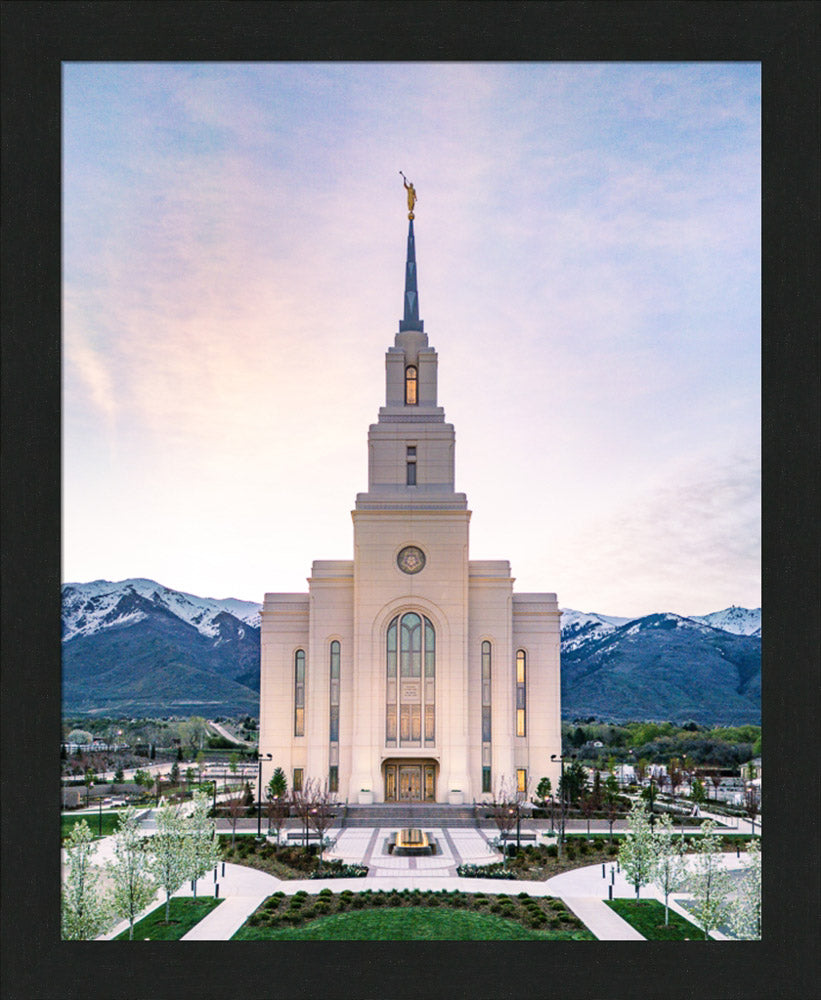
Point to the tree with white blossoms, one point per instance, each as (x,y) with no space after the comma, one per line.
(133,884)
(204,850)
(637,852)
(670,867)
(745,913)
(709,882)
(170,849)
(85,912)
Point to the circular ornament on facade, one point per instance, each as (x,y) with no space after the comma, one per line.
(411,559)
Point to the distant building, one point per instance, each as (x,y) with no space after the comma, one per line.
(411,672)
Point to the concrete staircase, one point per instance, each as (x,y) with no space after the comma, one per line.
(410,814)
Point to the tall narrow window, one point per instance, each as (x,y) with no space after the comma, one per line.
(333,778)
(486,784)
(299,693)
(410,466)
(410,702)
(334,672)
(296,784)
(521,693)
(486,657)
(411,385)
(521,779)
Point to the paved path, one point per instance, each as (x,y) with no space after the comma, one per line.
(583,890)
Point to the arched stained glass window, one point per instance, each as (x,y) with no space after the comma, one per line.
(410,714)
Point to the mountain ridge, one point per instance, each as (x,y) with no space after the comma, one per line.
(138,645)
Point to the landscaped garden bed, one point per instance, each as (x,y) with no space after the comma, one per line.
(647,917)
(185,913)
(411,915)
(538,863)
(287,861)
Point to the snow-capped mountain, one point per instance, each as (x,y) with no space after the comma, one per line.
(136,646)
(579,627)
(91,607)
(740,621)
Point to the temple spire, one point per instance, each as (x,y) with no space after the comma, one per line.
(411,320)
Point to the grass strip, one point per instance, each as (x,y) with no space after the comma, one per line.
(110,823)
(406,924)
(647,917)
(185,913)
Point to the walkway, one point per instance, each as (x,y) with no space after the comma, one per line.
(583,890)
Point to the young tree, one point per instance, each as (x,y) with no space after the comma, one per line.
(587,804)
(278,785)
(637,852)
(320,811)
(611,801)
(133,887)
(203,849)
(169,847)
(670,869)
(277,809)
(543,790)
(709,882)
(89,778)
(504,809)
(573,783)
(697,793)
(85,912)
(175,772)
(236,808)
(751,804)
(745,912)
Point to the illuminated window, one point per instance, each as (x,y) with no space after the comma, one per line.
(297,782)
(411,384)
(334,672)
(521,780)
(299,693)
(410,714)
(333,778)
(521,693)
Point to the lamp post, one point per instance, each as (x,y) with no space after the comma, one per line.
(268,756)
(560,757)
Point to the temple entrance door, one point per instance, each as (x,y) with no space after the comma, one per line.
(410,783)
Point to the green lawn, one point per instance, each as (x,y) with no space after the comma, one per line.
(407,924)
(185,914)
(647,916)
(69,820)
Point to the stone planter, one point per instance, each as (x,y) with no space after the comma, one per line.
(455,798)
(365,797)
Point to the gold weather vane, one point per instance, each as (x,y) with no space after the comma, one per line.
(411,195)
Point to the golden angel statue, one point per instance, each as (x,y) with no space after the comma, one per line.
(411,195)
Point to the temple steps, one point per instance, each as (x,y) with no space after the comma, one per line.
(409,814)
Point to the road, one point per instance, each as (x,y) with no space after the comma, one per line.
(228,736)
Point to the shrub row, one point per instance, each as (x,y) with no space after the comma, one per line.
(280,910)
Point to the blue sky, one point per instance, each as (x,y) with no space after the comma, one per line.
(588,247)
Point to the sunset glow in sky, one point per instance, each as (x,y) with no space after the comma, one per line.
(588,248)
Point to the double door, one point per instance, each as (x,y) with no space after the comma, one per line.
(410,783)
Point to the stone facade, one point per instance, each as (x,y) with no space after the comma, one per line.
(395,676)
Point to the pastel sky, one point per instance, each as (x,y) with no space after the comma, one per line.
(588,248)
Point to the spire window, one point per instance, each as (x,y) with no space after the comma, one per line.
(411,386)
